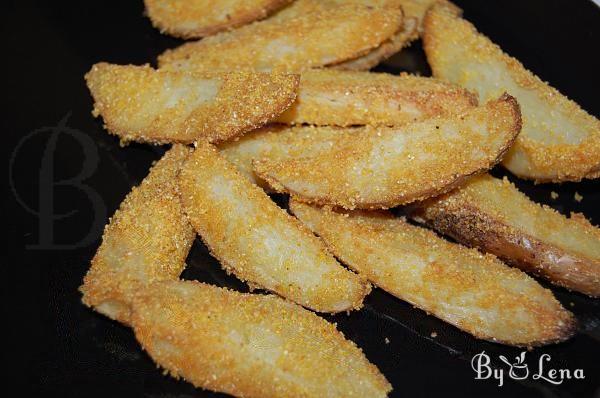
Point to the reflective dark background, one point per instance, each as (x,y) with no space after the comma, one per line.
(66,176)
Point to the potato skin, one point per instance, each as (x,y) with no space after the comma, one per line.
(461,217)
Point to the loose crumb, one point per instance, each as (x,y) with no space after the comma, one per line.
(433,334)
(572,304)
(578,197)
(387,341)
(553,195)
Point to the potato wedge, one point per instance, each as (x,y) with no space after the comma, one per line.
(390,167)
(190,19)
(146,240)
(139,103)
(250,345)
(258,241)
(396,43)
(559,142)
(493,215)
(314,39)
(475,292)
(329,97)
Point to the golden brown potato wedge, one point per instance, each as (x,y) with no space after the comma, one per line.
(299,42)
(559,141)
(418,9)
(258,241)
(198,18)
(395,44)
(475,292)
(394,166)
(329,97)
(139,103)
(146,240)
(250,345)
(494,216)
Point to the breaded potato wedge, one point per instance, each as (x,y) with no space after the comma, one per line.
(329,97)
(190,19)
(142,104)
(494,216)
(318,38)
(559,142)
(475,292)
(395,44)
(389,167)
(258,241)
(414,13)
(146,240)
(280,142)
(250,345)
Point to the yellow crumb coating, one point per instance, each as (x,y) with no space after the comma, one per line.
(146,240)
(559,142)
(250,345)
(386,167)
(293,43)
(139,103)
(198,18)
(395,44)
(493,215)
(258,241)
(473,291)
(343,98)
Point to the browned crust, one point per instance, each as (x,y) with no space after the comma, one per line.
(467,224)
(172,28)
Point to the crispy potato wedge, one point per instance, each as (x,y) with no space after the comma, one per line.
(314,39)
(559,141)
(395,44)
(139,103)
(146,240)
(190,19)
(475,292)
(329,97)
(250,345)
(494,216)
(389,167)
(258,241)
(414,14)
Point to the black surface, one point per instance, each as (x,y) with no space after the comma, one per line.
(56,346)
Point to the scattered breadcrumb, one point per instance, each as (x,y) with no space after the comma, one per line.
(433,334)
(578,197)
(553,195)
(387,341)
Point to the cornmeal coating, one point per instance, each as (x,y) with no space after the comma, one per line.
(190,19)
(341,98)
(387,167)
(250,345)
(559,142)
(475,292)
(139,103)
(297,42)
(258,241)
(146,240)
(395,44)
(493,215)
